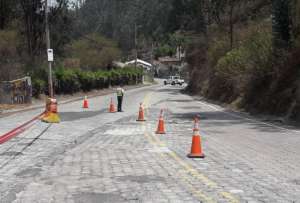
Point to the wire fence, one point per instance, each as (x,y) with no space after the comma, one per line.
(16,92)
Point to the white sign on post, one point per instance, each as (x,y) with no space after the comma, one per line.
(50,55)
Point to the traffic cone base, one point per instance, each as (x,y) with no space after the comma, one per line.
(51,118)
(141,120)
(201,156)
(196,149)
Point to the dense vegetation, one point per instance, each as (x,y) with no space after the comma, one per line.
(69,81)
(246,53)
(241,52)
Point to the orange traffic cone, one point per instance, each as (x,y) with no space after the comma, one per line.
(141,113)
(196,149)
(85,103)
(112,108)
(161,124)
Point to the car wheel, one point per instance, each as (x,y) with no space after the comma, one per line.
(173,83)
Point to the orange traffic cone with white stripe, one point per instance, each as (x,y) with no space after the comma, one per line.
(85,103)
(161,124)
(196,149)
(112,108)
(141,113)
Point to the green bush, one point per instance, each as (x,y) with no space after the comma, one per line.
(68,81)
(241,67)
(217,50)
(73,80)
(39,86)
(233,64)
(164,50)
(101,79)
(86,79)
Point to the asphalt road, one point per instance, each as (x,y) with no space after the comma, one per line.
(96,156)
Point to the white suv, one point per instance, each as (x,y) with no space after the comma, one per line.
(174,80)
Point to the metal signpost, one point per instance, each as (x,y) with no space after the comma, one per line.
(49,51)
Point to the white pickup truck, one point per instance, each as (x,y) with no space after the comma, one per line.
(174,80)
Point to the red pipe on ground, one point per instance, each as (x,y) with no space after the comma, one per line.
(7,136)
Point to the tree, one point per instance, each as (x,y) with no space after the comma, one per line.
(115,19)
(94,51)
(6,12)
(281,23)
(224,12)
(33,15)
(62,21)
(9,57)
(295,18)
(187,15)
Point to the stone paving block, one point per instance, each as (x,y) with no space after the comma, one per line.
(102,156)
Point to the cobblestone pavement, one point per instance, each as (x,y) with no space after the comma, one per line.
(95,156)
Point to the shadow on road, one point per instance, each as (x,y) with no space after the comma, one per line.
(191,107)
(72,116)
(180,100)
(221,119)
(170,91)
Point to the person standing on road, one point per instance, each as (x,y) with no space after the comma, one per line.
(120,95)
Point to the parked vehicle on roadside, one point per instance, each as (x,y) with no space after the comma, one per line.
(174,80)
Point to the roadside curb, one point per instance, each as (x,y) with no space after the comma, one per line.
(67,101)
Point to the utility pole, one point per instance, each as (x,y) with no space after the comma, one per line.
(152,52)
(135,44)
(50,81)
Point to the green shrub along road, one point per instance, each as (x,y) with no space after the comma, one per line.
(69,81)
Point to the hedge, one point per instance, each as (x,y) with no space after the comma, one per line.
(69,81)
